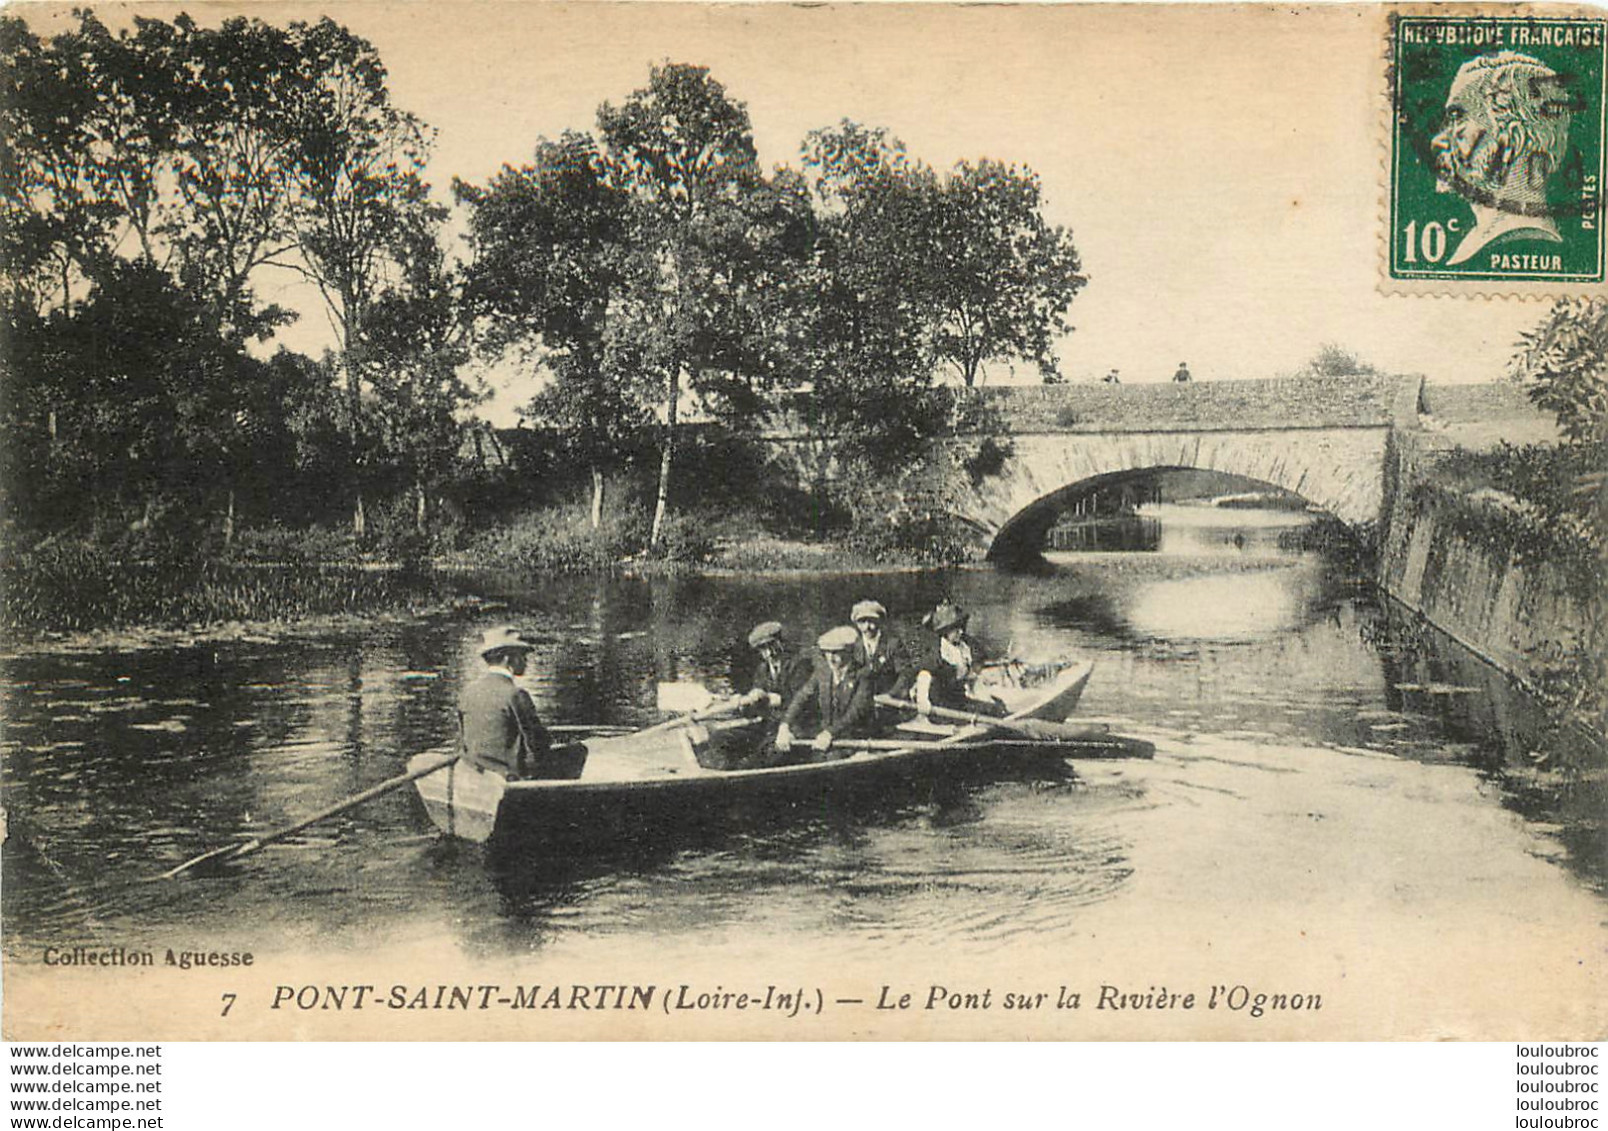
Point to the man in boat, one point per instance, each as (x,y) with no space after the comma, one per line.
(835,703)
(943,675)
(778,675)
(878,653)
(501,730)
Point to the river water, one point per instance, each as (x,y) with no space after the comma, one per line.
(1335,787)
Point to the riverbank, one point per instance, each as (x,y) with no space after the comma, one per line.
(74,594)
(1516,582)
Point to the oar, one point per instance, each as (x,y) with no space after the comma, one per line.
(585,728)
(720,710)
(672,696)
(1097,744)
(1031,728)
(246,848)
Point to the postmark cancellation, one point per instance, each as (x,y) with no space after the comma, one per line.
(1496,152)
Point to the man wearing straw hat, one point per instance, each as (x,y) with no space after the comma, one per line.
(501,731)
(835,703)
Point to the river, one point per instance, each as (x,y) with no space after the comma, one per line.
(1336,789)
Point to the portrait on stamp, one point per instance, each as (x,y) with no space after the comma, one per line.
(1497,149)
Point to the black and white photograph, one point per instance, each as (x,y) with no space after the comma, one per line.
(769,522)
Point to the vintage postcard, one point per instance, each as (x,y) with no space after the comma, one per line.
(628,521)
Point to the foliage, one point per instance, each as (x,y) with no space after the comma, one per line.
(549,241)
(75,586)
(1003,277)
(148,179)
(709,253)
(562,539)
(1334,360)
(152,180)
(1523,504)
(1566,361)
(920,272)
(1514,504)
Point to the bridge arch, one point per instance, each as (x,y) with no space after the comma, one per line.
(1340,471)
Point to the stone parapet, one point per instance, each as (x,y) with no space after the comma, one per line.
(1360,401)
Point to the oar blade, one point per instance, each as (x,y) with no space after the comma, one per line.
(683,697)
(215,857)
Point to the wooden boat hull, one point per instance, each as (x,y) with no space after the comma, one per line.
(630,784)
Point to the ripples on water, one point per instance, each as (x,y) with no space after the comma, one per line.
(118,765)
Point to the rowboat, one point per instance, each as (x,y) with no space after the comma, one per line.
(620,785)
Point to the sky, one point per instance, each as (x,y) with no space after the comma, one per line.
(1221,168)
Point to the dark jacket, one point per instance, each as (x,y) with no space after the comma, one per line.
(885,668)
(845,710)
(501,730)
(785,680)
(948,689)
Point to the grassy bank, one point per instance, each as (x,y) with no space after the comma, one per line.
(277,575)
(79,588)
(563,540)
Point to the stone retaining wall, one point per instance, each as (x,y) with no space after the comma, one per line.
(1515,616)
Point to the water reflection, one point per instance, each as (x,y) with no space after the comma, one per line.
(1245,606)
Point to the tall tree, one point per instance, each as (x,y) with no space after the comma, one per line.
(415,347)
(83,129)
(710,238)
(871,346)
(233,161)
(551,240)
(1002,276)
(358,165)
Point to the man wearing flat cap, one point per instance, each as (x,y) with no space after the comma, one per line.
(878,653)
(501,731)
(778,675)
(835,703)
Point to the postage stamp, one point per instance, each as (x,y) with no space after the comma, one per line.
(1496,165)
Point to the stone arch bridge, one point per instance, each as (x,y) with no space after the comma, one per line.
(1323,438)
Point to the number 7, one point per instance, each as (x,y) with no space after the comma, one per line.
(228,1003)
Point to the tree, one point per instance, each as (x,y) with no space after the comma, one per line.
(414,347)
(871,345)
(1001,275)
(233,162)
(358,161)
(1565,362)
(149,391)
(1333,360)
(1565,359)
(710,246)
(551,241)
(82,130)
(146,179)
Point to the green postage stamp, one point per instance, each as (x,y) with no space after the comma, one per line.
(1496,167)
